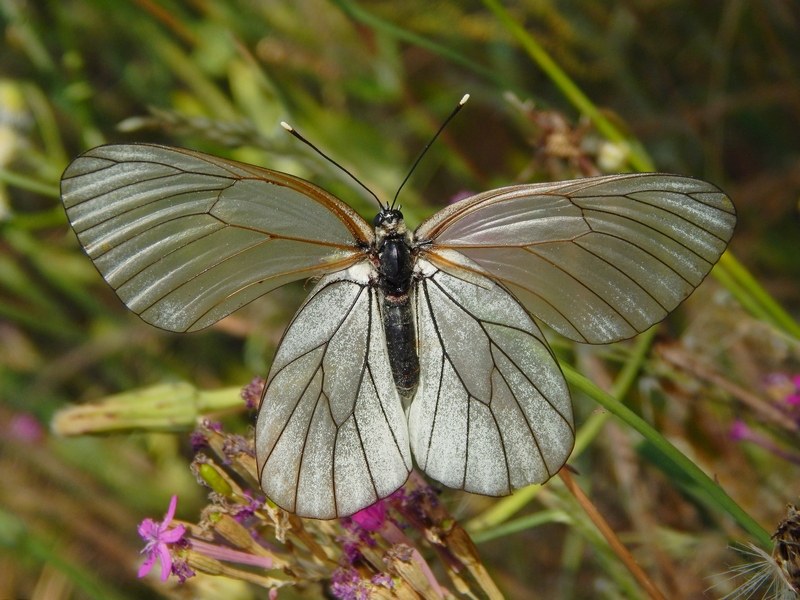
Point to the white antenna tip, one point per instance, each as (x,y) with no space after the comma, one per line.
(464,100)
(286,126)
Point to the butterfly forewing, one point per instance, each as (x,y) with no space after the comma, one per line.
(492,412)
(331,436)
(185,238)
(598,259)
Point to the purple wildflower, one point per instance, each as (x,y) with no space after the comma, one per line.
(739,431)
(383,580)
(346,584)
(794,398)
(371,518)
(182,570)
(25,427)
(158,536)
(251,393)
(784,389)
(214,426)
(235,444)
(198,440)
(351,550)
(242,512)
(359,529)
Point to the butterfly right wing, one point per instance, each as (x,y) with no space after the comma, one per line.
(186,238)
(331,436)
(598,259)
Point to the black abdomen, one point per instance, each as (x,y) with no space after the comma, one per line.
(396,271)
(401,339)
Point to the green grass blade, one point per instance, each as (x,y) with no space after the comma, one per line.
(703,487)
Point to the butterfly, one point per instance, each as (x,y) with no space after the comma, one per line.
(415,343)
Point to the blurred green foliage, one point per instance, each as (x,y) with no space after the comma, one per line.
(701,88)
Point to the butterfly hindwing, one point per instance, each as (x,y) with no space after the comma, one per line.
(492,412)
(331,436)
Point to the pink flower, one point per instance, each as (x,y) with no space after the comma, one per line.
(371,518)
(794,398)
(784,388)
(158,536)
(251,393)
(26,428)
(346,584)
(740,431)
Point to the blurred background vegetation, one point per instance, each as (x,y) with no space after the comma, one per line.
(710,89)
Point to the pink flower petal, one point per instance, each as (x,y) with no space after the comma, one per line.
(739,430)
(166,561)
(173,503)
(147,565)
(173,535)
(157,537)
(147,529)
(372,517)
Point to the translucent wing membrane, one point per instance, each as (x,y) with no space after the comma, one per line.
(331,436)
(598,259)
(492,411)
(185,238)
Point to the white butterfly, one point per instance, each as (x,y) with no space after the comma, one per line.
(410,343)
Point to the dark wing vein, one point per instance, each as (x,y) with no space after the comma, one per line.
(482,323)
(489,389)
(332,437)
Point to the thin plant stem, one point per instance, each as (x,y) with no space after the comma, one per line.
(608,533)
(638,158)
(729,270)
(358,14)
(29,184)
(505,508)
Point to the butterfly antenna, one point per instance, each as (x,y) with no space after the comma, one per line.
(458,107)
(294,132)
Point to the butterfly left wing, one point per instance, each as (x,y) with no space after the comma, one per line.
(331,436)
(492,411)
(186,238)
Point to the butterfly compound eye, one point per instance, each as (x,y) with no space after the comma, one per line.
(387,216)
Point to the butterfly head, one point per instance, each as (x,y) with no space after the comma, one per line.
(389,223)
